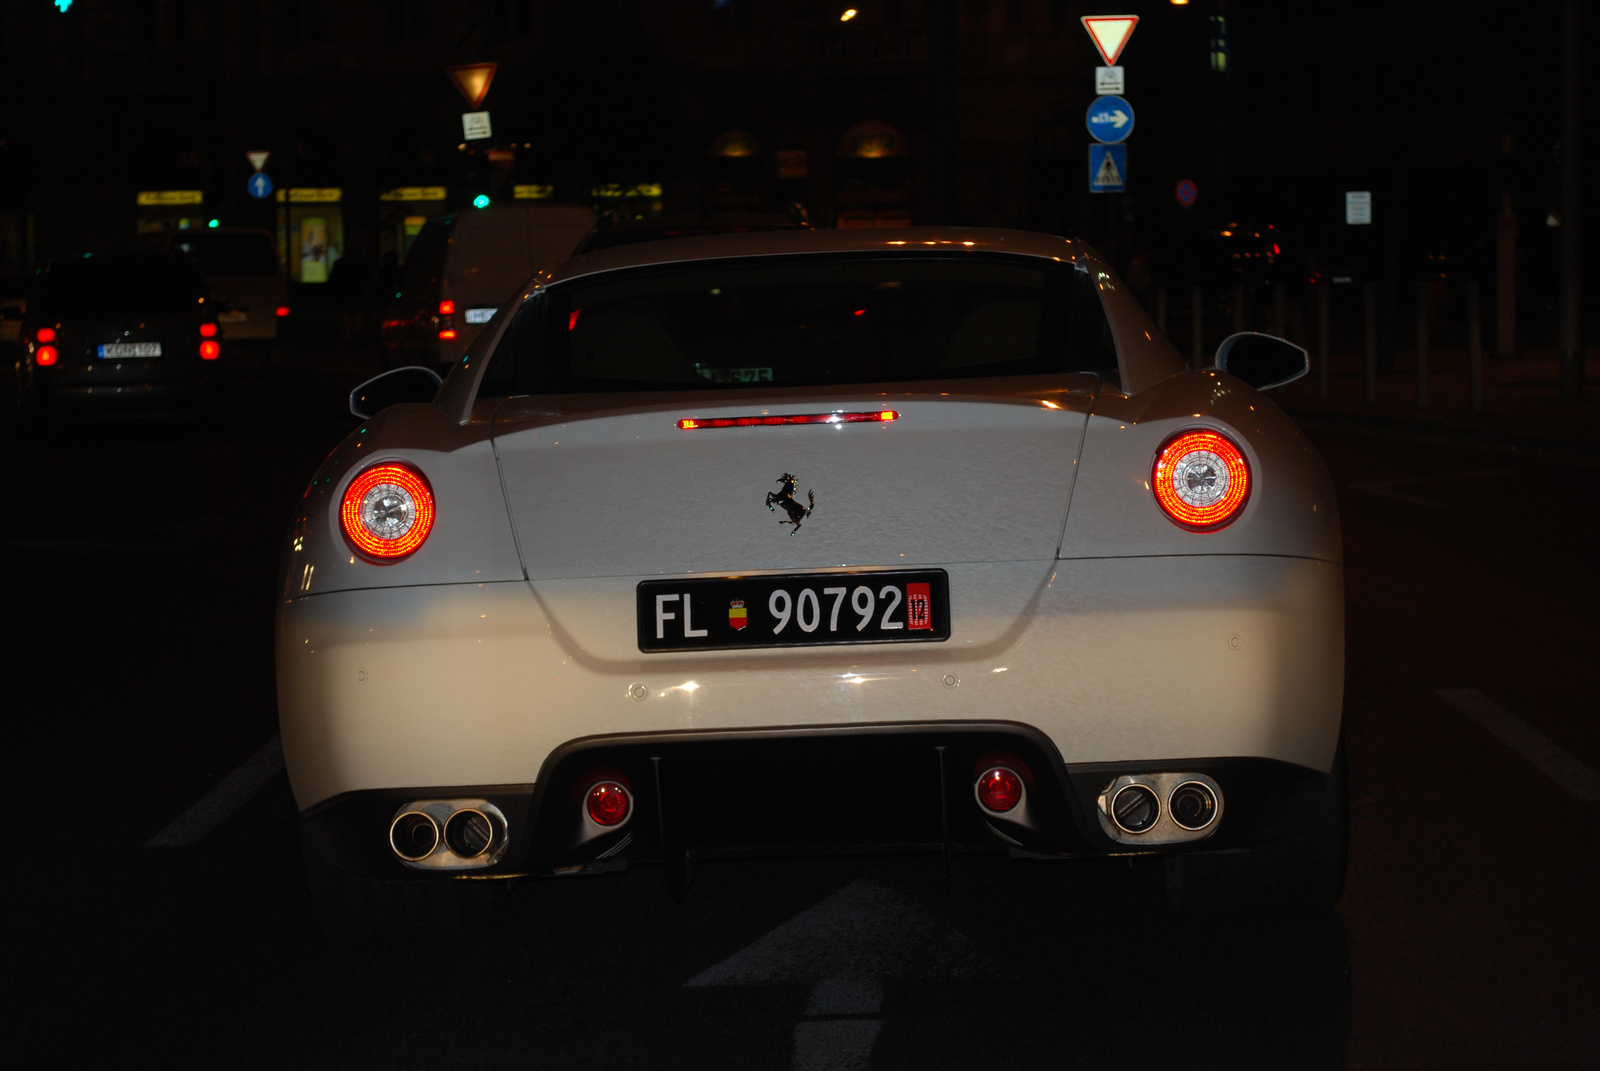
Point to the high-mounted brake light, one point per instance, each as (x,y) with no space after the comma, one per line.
(46,334)
(209,350)
(208,330)
(387,511)
(1201,480)
(695,423)
(45,355)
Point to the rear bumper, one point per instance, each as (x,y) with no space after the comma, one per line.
(905,787)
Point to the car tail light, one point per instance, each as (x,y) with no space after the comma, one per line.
(387,511)
(1201,480)
(45,355)
(447,334)
(208,330)
(283,310)
(447,308)
(608,803)
(209,350)
(999,789)
(46,334)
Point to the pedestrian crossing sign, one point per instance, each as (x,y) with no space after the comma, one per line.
(1108,168)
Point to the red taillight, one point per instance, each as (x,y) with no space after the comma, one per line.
(208,330)
(608,803)
(572,321)
(882,416)
(46,334)
(387,511)
(1201,480)
(209,350)
(447,334)
(447,308)
(283,310)
(1000,789)
(45,355)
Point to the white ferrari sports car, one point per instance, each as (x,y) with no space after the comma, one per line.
(910,540)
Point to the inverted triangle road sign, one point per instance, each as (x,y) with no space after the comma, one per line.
(1110,34)
(472,79)
(258,158)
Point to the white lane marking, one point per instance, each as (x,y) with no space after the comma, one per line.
(225,797)
(865,930)
(835,1044)
(1562,767)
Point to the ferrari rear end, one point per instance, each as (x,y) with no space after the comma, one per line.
(819,541)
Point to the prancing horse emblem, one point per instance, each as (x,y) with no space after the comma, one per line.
(785,498)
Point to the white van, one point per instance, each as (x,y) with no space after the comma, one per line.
(464,266)
(242,270)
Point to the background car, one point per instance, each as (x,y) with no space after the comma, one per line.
(463,267)
(614,229)
(117,327)
(244,274)
(922,540)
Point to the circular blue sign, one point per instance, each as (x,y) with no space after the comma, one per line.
(260,185)
(1110,120)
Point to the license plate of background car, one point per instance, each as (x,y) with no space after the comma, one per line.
(794,610)
(131,349)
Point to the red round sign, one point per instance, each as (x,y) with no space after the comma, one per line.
(1186,192)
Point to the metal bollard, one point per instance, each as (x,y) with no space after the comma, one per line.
(1238,310)
(1370,301)
(1197,328)
(1475,347)
(1324,344)
(1161,308)
(1422,345)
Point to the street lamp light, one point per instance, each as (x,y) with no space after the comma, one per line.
(849,13)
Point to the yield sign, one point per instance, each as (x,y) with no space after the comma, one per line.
(472,79)
(1110,34)
(258,158)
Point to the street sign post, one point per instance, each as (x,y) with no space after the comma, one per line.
(1109,80)
(1108,168)
(475,125)
(1110,119)
(1186,192)
(1110,34)
(259,185)
(1358,207)
(472,80)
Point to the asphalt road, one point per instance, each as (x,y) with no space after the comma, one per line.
(141,555)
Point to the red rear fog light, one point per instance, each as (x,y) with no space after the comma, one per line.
(999,790)
(608,803)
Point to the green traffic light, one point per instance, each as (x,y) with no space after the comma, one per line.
(215,223)
(481,201)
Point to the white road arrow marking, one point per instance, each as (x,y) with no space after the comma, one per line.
(846,946)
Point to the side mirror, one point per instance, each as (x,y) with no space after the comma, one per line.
(1263,361)
(412,383)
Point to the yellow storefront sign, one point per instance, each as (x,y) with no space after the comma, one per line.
(414,193)
(311,195)
(170,197)
(533,193)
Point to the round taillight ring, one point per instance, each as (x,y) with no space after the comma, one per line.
(608,804)
(1201,480)
(387,511)
(999,790)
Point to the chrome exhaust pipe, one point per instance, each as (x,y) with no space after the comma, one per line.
(1193,805)
(469,833)
(1135,808)
(414,836)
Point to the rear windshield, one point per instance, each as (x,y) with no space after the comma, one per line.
(804,322)
(117,285)
(229,254)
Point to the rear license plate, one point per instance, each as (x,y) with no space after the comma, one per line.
(233,316)
(480,316)
(797,610)
(130,349)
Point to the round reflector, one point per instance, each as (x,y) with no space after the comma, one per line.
(608,803)
(1000,790)
(1200,480)
(45,355)
(387,511)
(209,350)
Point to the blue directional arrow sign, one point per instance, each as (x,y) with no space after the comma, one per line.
(1108,168)
(1110,119)
(260,185)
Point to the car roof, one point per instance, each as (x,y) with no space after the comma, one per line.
(908,240)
